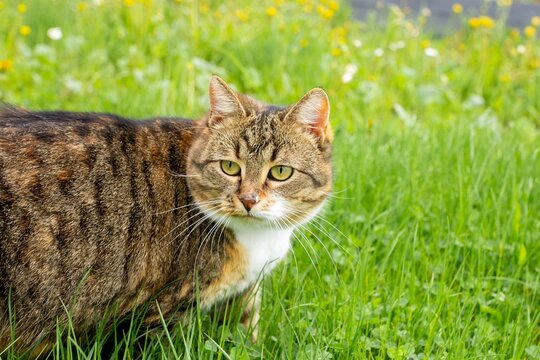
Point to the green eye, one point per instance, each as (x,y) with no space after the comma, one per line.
(280,172)
(230,167)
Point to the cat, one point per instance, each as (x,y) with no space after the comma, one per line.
(97,210)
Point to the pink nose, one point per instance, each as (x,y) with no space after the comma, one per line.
(249,200)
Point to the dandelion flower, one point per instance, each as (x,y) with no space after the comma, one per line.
(378,52)
(204,8)
(271,11)
(129,2)
(424,44)
(457,8)
(332,5)
(357,43)
(530,31)
(505,2)
(81,7)
(241,15)
(6,64)
(54,33)
(534,64)
(21,8)
(521,49)
(486,22)
(474,22)
(304,43)
(278,2)
(325,12)
(535,21)
(505,78)
(25,30)
(336,52)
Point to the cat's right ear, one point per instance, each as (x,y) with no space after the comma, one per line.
(223,101)
(313,111)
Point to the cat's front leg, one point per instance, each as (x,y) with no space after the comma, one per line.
(251,305)
(245,307)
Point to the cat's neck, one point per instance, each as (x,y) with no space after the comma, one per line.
(264,248)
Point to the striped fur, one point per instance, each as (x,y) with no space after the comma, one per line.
(98,212)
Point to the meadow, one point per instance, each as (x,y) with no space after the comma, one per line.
(430,245)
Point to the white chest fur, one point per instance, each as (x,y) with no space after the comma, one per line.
(264,249)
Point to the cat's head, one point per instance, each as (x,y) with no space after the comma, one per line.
(253,164)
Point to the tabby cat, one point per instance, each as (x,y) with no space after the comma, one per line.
(97,210)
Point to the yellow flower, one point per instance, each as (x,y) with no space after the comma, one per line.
(218,15)
(331,4)
(21,8)
(482,21)
(81,6)
(6,64)
(534,64)
(241,15)
(335,52)
(505,2)
(338,31)
(325,12)
(474,22)
(271,11)
(25,30)
(514,33)
(535,21)
(1,5)
(129,2)
(204,8)
(279,2)
(487,22)
(308,8)
(505,78)
(457,8)
(301,2)
(424,44)
(304,43)
(530,31)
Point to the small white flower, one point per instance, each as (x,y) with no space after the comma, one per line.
(426,12)
(397,45)
(54,33)
(378,52)
(444,79)
(521,49)
(357,43)
(350,71)
(431,52)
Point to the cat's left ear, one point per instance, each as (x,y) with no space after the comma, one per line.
(313,111)
(223,101)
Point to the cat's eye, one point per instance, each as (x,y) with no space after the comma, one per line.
(230,167)
(280,172)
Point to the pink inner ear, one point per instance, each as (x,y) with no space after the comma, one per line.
(313,111)
(322,118)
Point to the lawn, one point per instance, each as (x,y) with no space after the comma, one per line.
(430,244)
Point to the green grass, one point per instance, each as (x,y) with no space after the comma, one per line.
(431,243)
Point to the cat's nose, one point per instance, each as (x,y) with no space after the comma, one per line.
(249,200)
